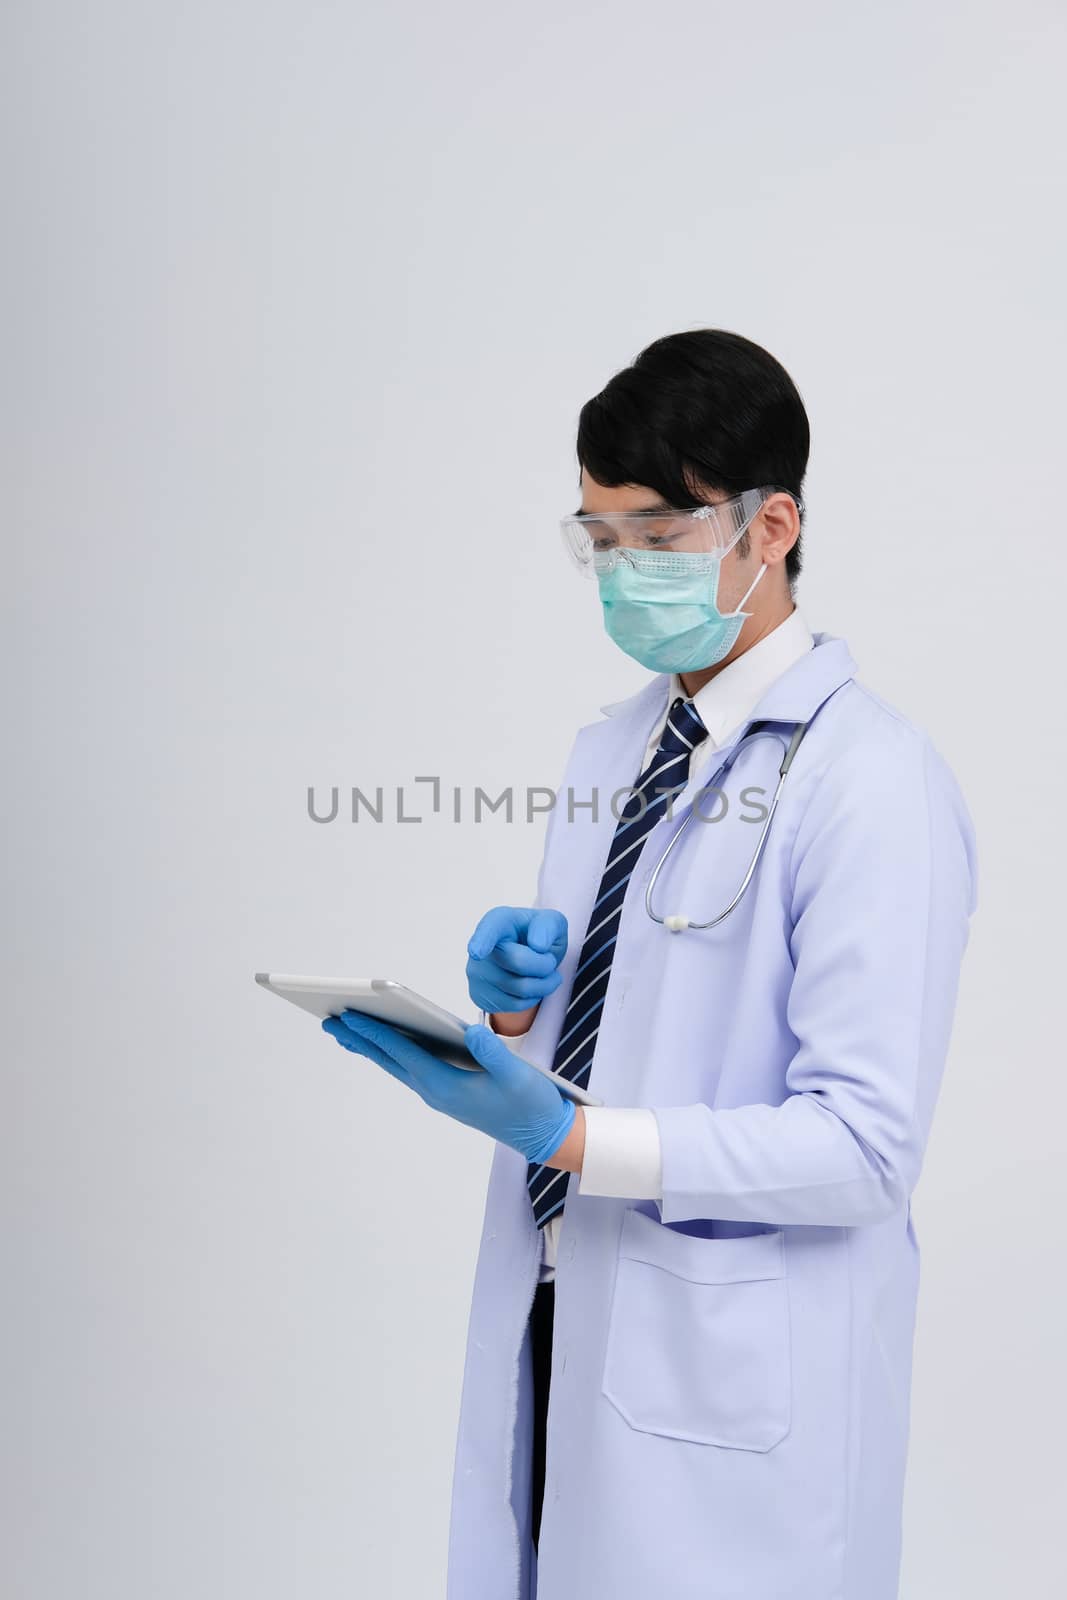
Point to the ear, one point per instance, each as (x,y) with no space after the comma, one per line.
(779,528)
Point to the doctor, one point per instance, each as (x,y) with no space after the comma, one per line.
(689,1350)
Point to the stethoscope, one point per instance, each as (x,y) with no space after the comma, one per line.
(677,923)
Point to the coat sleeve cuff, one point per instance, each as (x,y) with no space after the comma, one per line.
(622,1153)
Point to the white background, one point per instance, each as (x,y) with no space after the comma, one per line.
(301,302)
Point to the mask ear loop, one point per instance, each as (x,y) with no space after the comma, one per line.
(737,609)
(759,496)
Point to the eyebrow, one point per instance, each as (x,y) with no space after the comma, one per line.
(657,505)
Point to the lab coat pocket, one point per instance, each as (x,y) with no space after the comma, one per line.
(698,1336)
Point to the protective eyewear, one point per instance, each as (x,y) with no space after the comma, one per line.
(595,542)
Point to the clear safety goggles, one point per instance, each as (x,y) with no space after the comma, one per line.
(597,543)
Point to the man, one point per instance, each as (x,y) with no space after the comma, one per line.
(727,1235)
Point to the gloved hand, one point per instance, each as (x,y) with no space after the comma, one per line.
(510,1101)
(514,956)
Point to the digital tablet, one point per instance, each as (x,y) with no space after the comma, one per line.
(428,1024)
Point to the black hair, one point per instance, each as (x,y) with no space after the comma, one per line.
(696,411)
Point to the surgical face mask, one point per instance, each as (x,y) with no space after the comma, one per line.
(661,607)
(658,573)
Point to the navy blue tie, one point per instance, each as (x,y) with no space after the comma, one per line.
(667,771)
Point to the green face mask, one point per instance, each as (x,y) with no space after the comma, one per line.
(661,607)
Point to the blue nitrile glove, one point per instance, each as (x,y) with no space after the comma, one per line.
(515,952)
(510,1101)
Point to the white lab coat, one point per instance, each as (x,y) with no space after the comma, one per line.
(731,1364)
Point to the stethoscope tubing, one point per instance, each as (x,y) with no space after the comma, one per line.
(675,924)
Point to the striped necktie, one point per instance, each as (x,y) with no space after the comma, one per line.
(668,770)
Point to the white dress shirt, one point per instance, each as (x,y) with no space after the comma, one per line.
(622,1149)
